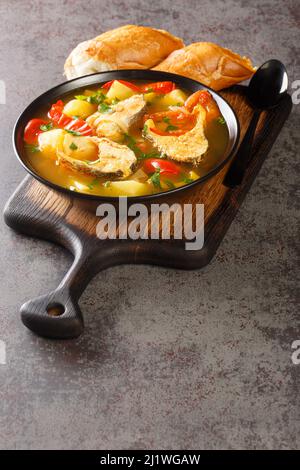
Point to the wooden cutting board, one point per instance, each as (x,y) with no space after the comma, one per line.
(36,210)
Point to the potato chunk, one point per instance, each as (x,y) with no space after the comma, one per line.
(127,188)
(174,98)
(120,91)
(80,148)
(79,108)
(50,141)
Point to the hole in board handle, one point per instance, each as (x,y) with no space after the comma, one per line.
(55,310)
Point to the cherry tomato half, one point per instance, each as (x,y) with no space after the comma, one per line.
(32,130)
(158,87)
(165,166)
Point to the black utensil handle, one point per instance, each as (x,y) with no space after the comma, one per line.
(57,314)
(236,171)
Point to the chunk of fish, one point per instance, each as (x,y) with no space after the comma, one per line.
(188,147)
(97,156)
(125,115)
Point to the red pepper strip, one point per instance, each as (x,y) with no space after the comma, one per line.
(65,122)
(33,130)
(107,85)
(202,97)
(133,87)
(80,126)
(165,166)
(158,87)
(181,119)
(56,111)
(179,114)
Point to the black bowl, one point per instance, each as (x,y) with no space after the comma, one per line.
(50,96)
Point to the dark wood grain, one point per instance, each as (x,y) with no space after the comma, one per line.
(36,210)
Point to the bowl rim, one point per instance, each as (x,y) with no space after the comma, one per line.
(106,76)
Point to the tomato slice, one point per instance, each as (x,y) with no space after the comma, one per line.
(133,87)
(165,166)
(32,130)
(158,87)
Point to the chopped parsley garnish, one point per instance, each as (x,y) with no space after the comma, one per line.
(130,140)
(145,129)
(187,180)
(104,108)
(46,127)
(221,120)
(170,184)
(131,143)
(73,146)
(32,148)
(81,97)
(171,128)
(155,179)
(166,119)
(153,154)
(96,98)
(73,132)
(93,184)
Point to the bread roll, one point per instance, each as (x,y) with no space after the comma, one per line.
(208,63)
(127,47)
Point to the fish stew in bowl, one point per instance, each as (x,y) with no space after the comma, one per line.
(124,138)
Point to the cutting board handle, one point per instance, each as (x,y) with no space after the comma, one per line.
(57,314)
(54,315)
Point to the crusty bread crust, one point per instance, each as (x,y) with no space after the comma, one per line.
(130,46)
(208,63)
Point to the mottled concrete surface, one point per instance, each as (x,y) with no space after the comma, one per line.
(169,359)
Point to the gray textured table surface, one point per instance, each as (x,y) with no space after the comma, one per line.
(169,359)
